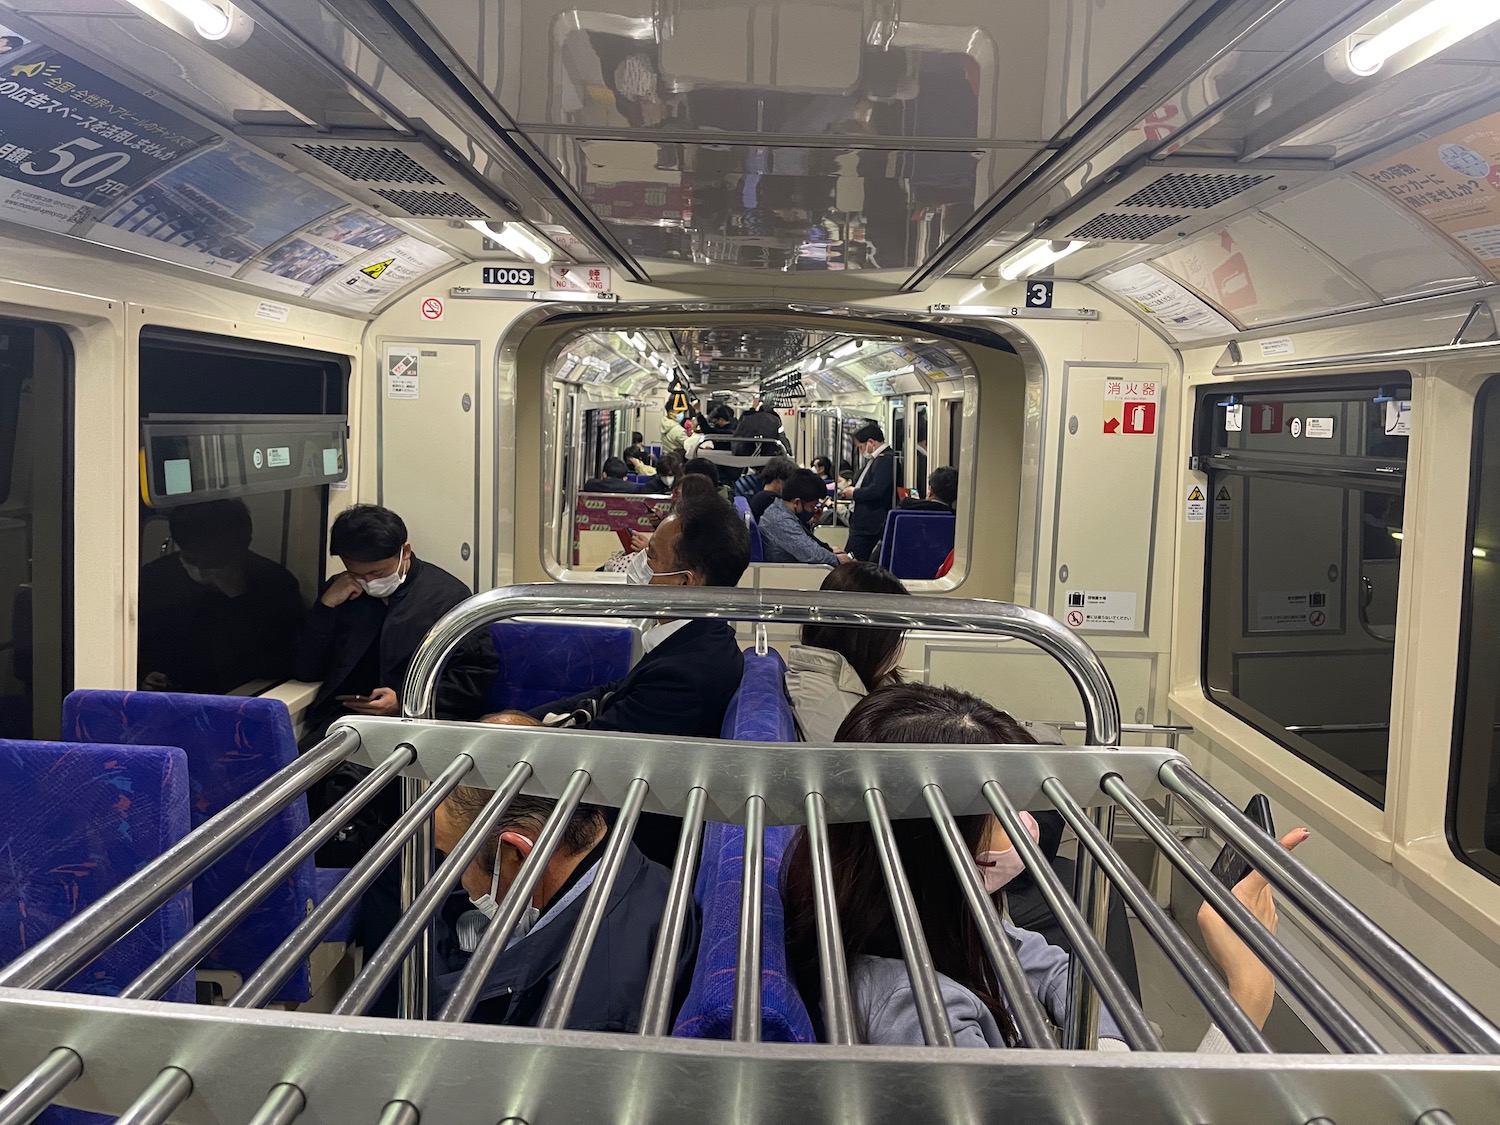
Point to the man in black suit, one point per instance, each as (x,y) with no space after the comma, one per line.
(942,493)
(692,667)
(873,491)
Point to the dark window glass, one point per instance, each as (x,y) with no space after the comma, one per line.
(36,520)
(1304,515)
(1474,802)
(919,483)
(955,431)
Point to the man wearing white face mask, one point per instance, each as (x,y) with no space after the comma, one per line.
(614,979)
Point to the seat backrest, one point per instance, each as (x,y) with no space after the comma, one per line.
(916,543)
(760,712)
(232,745)
(545,660)
(76,820)
(614,511)
(757,550)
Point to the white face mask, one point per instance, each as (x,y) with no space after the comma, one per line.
(668,481)
(197,574)
(386,585)
(638,571)
(473,923)
(999,868)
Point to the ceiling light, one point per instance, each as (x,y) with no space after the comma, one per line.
(1035,255)
(1458,19)
(518,238)
(847,350)
(211,21)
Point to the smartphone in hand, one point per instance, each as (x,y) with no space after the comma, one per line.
(1231,867)
(352,698)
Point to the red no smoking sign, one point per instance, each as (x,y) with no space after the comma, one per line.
(432,309)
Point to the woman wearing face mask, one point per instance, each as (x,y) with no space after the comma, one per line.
(884,1008)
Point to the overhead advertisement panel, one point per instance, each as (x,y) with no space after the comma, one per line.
(1453,182)
(368,281)
(215,211)
(73,141)
(301,263)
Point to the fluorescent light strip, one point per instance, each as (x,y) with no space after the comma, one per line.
(1036,255)
(518,238)
(1458,18)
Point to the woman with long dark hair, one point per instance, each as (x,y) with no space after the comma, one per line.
(885,1010)
(835,666)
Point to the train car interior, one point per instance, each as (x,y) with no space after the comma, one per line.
(1143,360)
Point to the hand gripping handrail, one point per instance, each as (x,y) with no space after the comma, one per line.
(1101,708)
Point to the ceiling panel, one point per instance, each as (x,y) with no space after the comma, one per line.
(783,208)
(1376,241)
(1260,273)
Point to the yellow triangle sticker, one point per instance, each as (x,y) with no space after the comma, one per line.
(375,269)
(1223,493)
(1196,494)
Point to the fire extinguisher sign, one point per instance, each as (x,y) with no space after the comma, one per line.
(1131,406)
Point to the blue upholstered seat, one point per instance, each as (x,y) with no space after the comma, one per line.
(757,551)
(761,712)
(232,745)
(916,542)
(545,660)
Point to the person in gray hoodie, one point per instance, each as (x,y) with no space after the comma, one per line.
(885,1009)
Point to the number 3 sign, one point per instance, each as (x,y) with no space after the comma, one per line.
(1039,294)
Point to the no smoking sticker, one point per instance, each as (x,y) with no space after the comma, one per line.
(432,309)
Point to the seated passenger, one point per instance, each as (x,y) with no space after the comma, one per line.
(668,472)
(942,493)
(704,467)
(884,1007)
(823,467)
(215,615)
(786,526)
(613,480)
(773,477)
(637,451)
(836,666)
(614,979)
(692,666)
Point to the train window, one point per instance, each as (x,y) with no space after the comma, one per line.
(919,481)
(229,567)
(36,521)
(1304,514)
(1474,797)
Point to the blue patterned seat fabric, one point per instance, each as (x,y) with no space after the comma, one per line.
(757,550)
(232,745)
(75,822)
(759,712)
(541,661)
(916,542)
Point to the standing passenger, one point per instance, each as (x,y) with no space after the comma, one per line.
(873,491)
(672,434)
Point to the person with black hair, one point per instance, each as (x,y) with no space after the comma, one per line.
(773,477)
(613,987)
(692,666)
(885,1009)
(214,614)
(873,491)
(942,493)
(369,619)
(786,526)
(637,451)
(613,480)
(823,467)
(760,422)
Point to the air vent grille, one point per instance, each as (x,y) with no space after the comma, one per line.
(1199,190)
(1111,227)
(384,165)
(431,204)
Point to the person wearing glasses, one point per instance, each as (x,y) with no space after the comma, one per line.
(786,525)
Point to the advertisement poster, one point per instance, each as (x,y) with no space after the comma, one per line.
(372,279)
(73,141)
(1452,182)
(215,211)
(300,264)
(1174,306)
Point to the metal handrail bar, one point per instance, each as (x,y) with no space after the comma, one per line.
(1100,705)
(1413,984)
(838,1006)
(752,890)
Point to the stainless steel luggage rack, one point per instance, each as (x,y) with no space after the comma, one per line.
(154,1062)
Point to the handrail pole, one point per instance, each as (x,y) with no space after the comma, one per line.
(155,1106)
(656,1007)
(838,1006)
(62,953)
(1288,971)
(416,869)
(23,1102)
(1025,1008)
(747,965)
(1409,981)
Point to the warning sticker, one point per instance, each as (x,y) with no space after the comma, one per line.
(1398,418)
(1296,611)
(1223,505)
(401,374)
(1234,417)
(1197,505)
(1106,610)
(375,269)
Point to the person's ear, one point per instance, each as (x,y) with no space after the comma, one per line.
(519,842)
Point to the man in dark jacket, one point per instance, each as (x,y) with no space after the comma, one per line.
(942,493)
(692,667)
(613,480)
(614,977)
(760,422)
(873,491)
